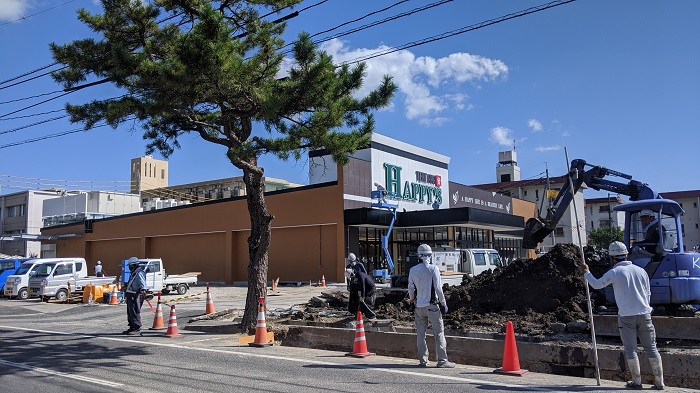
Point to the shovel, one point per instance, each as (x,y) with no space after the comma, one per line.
(370,313)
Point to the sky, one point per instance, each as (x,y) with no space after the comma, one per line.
(616,83)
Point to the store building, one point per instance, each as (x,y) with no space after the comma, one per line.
(315,226)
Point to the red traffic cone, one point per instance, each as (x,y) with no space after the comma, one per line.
(511,364)
(261,336)
(323,280)
(210,302)
(359,349)
(172,324)
(114,299)
(158,318)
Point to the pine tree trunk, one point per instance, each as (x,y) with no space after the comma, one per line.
(258,244)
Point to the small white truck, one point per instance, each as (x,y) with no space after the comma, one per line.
(55,277)
(157,280)
(453,263)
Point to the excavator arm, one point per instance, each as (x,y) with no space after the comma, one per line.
(580,173)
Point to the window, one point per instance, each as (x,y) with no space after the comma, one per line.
(696,226)
(480,259)
(7,265)
(603,209)
(63,269)
(525,192)
(537,194)
(559,231)
(162,173)
(16,211)
(695,204)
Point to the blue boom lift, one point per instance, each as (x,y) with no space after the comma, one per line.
(379,201)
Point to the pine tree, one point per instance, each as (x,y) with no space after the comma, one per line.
(214,68)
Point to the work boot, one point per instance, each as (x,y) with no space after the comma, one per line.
(636,382)
(658,371)
(445,364)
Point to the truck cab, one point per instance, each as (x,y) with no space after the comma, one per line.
(53,276)
(16,284)
(157,280)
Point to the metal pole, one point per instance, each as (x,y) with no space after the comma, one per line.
(583,260)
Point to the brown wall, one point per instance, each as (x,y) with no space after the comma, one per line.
(211,238)
(527,210)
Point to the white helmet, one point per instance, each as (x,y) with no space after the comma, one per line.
(617,249)
(133,261)
(424,249)
(647,212)
(99,263)
(352,257)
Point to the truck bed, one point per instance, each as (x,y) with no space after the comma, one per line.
(187,278)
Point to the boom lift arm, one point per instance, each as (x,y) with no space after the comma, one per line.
(537,229)
(378,200)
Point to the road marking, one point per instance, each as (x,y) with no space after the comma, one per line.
(60,374)
(368,367)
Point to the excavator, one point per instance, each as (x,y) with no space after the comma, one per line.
(674,274)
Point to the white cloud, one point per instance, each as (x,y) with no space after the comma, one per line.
(502,136)
(436,121)
(547,148)
(565,134)
(535,125)
(11,10)
(421,78)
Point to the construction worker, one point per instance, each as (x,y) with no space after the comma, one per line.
(362,292)
(651,232)
(135,293)
(354,264)
(425,291)
(98,269)
(632,294)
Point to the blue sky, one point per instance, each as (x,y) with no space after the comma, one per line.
(616,83)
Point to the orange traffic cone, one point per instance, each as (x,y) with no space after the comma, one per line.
(323,280)
(261,336)
(359,349)
(210,302)
(158,319)
(172,324)
(511,364)
(114,299)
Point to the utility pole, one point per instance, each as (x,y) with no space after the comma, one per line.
(610,223)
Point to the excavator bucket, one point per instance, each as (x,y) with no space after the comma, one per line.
(535,232)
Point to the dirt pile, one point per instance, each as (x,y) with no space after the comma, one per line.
(540,296)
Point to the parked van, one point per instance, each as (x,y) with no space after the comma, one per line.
(8,267)
(17,284)
(454,263)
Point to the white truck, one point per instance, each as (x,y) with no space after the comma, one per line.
(157,280)
(453,263)
(54,275)
(17,284)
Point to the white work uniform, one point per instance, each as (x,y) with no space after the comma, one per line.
(632,295)
(421,280)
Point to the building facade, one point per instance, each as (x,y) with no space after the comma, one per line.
(600,213)
(21,219)
(316,226)
(690,219)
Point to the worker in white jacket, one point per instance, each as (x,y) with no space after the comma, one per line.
(632,294)
(425,290)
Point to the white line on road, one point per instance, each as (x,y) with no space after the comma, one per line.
(291,359)
(60,374)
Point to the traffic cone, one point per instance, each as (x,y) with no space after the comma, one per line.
(261,336)
(323,280)
(511,364)
(114,299)
(172,325)
(158,319)
(359,349)
(210,303)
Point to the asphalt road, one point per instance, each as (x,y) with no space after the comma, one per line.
(79,348)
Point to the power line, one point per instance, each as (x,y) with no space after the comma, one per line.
(30,97)
(32,125)
(28,73)
(36,13)
(462,30)
(32,115)
(32,78)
